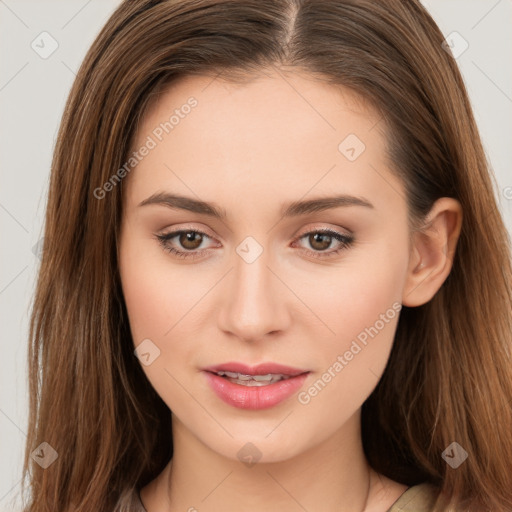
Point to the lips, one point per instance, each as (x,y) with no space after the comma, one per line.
(254,387)
(252,380)
(260,369)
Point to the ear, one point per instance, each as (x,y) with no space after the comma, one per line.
(432,251)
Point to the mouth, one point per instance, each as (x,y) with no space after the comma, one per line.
(254,387)
(252,380)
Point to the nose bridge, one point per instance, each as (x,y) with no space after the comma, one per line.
(254,306)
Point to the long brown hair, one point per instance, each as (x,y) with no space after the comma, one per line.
(449,376)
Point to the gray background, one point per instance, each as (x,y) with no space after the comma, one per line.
(32,94)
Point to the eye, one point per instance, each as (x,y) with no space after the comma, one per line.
(187,239)
(189,242)
(320,240)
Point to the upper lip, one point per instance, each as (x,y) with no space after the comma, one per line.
(260,369)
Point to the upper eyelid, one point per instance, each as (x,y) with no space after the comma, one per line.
(186,229)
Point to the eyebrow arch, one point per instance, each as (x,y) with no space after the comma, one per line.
(293,209)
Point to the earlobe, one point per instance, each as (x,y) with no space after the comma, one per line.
(432,252)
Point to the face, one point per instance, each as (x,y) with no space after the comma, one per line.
(263,275)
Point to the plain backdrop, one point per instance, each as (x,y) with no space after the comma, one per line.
(42,44)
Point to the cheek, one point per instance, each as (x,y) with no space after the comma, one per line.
(353,296)
(157,298)
(149,304)
(360,304)
(155,292)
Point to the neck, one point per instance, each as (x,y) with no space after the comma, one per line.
(334,476)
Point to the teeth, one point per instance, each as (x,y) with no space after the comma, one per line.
(229,374)
(253,380)
(262,378)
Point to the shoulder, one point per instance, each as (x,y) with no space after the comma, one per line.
(419,498)
(136,505)
(130,502)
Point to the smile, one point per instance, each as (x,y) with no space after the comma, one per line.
(254,388)
(252,380)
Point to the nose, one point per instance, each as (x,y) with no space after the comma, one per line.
(255,301)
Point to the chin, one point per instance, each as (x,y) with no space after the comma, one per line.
(257,448)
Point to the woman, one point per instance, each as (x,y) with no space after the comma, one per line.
(274,273)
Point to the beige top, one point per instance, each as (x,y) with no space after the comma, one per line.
(419,498)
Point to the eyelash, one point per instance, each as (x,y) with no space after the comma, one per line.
(344,240)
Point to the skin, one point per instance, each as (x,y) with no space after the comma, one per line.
(251,148)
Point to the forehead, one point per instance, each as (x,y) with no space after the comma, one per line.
(262,103)
(281,131)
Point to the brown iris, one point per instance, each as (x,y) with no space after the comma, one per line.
(320,241)
(190,239)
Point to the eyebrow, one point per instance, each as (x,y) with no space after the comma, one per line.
(293,209)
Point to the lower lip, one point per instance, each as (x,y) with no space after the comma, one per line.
(254,397)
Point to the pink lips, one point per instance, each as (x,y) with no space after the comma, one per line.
(255,397)
(260,369)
